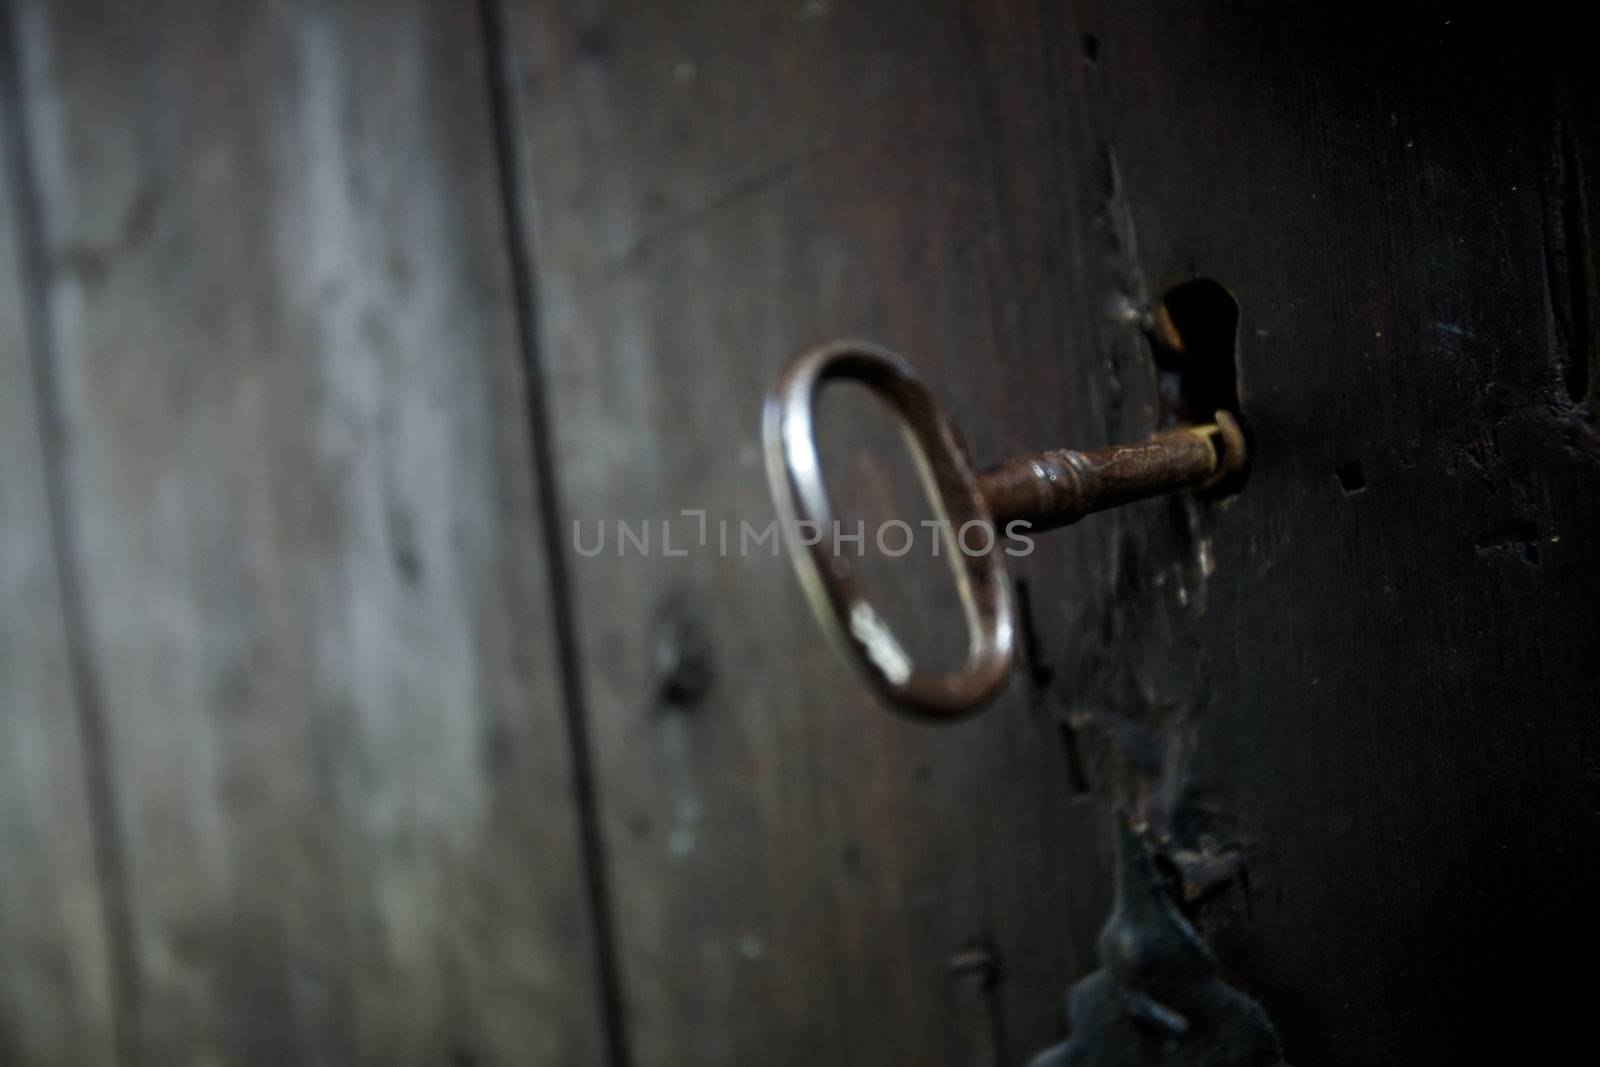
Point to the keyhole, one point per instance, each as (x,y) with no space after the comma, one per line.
(1196,344)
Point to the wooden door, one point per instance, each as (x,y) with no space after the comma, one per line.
(332,333)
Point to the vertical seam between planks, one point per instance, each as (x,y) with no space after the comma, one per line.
(503,79)
(110,867)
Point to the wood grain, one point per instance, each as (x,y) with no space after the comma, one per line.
(55,983)
(1364,676)
(1394,698)
(715,186)
(296,447)
(286,757)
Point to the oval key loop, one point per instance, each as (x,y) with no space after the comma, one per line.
(807,516)
(1043,490)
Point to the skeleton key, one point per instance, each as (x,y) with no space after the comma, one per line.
(1043,490)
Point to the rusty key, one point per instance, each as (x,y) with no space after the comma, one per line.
(1043,490)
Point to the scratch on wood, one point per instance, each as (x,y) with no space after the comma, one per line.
(746,188)
(1571,292)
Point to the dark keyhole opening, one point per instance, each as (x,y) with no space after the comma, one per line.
(1196,343)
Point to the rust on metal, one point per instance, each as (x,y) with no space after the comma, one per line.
(1044,490)
(1057,488)
(794,471)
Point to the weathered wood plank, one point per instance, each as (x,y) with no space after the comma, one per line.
(316,578)
(316,598)
(717,185)
(1389,699)
(55,988)
(1367,672)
